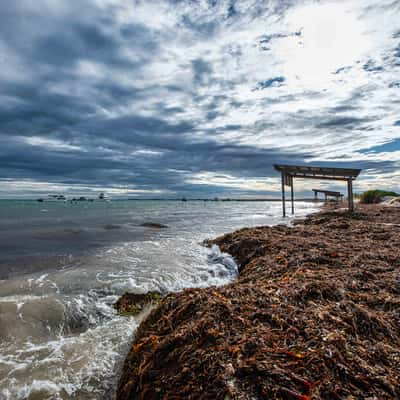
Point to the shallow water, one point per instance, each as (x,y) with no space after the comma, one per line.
(63,265)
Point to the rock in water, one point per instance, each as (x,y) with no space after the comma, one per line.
(133,303)
(154,225)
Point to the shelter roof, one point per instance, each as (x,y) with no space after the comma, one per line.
(314,172)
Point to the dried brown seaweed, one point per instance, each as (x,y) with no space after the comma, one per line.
(315,314)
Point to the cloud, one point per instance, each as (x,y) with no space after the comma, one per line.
(159,97)
(201,71)
(370,66)
(347,122)
(266,39)
(272,82)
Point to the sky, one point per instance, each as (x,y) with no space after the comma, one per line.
(196,98)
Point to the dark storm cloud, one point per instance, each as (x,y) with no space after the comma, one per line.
(67,46)
(201,71)
(153,94)
(19,159)
(38,111)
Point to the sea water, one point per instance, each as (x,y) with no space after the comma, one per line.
(63,266)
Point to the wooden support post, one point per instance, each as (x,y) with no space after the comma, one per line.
(352,197)
(283,195)
(350,194)
(292,194)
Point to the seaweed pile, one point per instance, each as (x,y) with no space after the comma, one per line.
(315,314)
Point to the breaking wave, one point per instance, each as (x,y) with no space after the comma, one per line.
(60,337)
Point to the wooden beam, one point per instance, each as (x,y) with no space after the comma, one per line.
(315,170)
(321,177)
(328,192)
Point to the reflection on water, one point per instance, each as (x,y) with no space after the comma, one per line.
(60,338)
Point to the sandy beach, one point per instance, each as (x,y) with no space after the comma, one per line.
(314,314)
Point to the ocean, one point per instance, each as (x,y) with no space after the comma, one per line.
(63,265)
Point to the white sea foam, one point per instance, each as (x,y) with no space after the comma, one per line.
(60,337)
(79,366)
(40,280)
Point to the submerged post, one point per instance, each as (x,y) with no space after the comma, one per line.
(283,194)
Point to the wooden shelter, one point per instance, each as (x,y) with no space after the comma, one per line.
(327,193)
(288,172)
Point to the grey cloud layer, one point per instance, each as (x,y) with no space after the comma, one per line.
(149,96)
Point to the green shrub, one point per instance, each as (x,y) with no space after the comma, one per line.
(375,196)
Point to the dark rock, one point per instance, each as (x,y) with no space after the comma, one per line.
(109,227)
(131,304)
(154,225)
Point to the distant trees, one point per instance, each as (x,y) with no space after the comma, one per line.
(376,196)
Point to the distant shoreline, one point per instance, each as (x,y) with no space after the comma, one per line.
(308,200)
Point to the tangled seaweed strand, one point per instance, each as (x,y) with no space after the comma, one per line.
(315,314)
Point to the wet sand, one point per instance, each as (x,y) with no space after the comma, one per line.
(315,314)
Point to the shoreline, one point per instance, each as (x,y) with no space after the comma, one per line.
(314,314)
